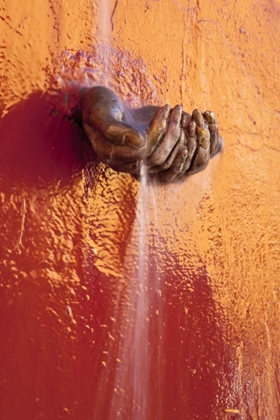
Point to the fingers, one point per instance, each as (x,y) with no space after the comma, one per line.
(191,143)
(185,119)
(202,141)
(216,142)
(170,174)
(202,153)
(170,159)
(199,140)
(157,128)
(171,137)
(175,144)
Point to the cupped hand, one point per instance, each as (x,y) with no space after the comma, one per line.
(199,140)
(170,142)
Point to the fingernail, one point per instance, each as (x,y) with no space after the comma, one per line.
(160,116)
(177,113)
(209,117)
(197,116)
(164,111)
(213,128)
(185,119)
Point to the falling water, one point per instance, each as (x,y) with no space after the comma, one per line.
(142,302)
(131,380)
(141,355)
(104,31)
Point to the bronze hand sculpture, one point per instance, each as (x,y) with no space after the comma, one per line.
(171,142)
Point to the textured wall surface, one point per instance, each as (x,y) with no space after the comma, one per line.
(73,343)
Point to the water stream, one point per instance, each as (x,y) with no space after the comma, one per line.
(141,356)
(131,385)
(104,31)
(137,303)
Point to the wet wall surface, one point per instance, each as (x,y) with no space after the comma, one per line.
(72,344)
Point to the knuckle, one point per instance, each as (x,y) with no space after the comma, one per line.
(166,165)
(201,161)
(191,129)
(155,159)
(192,144)
(158,160)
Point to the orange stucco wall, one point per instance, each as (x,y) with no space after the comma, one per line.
(68,231)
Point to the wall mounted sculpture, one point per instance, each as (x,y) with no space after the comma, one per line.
(172,143)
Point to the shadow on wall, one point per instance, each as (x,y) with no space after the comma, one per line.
(194,355)
(39,146)
(189,360)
